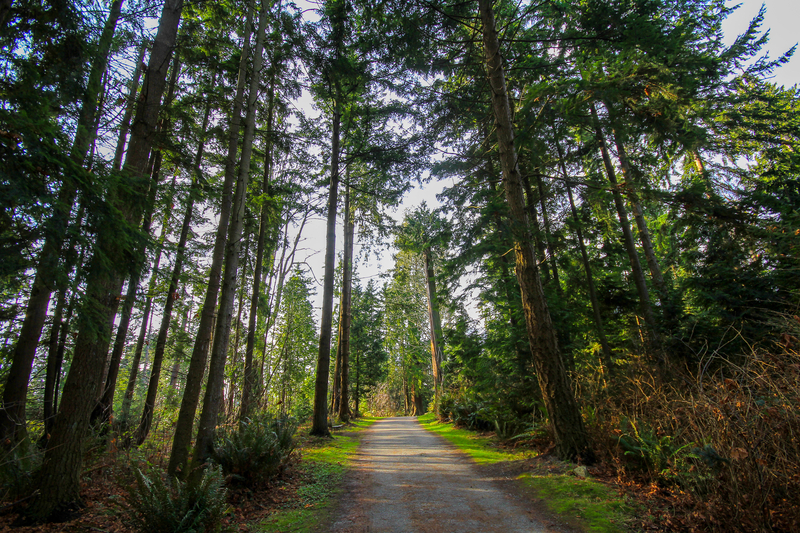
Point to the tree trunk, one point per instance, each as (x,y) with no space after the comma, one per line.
(319,425)
(570,435)
(435,322)
(172,295)
(347,300)
(58,334)
(125,125)
(219,352)
(59,478)
(181,442)
(265,220)
(133,373)
(548,236)
(630,246)
(530,202)
(607,359)
(103,411)
(15,392)
(641,223)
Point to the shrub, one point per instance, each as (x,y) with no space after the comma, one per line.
(256,450)
(158,506)
(17,468)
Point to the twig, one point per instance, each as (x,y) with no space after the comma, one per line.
(12,505)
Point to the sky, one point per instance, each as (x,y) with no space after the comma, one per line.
(781,19)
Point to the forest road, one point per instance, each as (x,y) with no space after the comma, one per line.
(408,480)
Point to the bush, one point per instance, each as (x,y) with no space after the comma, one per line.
(17,468)
(256,450)
(157,506)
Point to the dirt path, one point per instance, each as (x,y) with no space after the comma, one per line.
(408,480)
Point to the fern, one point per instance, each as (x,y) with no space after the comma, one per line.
(156,506)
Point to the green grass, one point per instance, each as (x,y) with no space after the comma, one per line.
(597,507)
(483,450)
(590,505)
(323,466)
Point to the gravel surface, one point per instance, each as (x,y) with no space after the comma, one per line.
(408,480)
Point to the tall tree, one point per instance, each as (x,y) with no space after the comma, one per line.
(570,435)
(219,351)
(59,484)
(182,439)
(12,411)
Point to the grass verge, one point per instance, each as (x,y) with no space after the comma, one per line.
(321,469)
(483,450)
(584,503)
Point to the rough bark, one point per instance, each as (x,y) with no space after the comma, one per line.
(59,478)
(219,351)
(15,392)
(197,364)
(570,435)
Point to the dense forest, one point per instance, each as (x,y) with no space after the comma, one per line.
(611,273)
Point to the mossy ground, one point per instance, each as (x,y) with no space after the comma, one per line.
(584,503)
(321,470)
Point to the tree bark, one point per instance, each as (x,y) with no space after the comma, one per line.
(59,478)
(15,392)
(197,364)
(219,352)
(570,435)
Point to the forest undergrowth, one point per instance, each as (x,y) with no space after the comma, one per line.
(713,449)
(708,447)
(115,477)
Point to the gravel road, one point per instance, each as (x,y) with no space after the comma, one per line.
(408,480)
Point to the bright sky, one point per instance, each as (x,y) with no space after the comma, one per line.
(780,19)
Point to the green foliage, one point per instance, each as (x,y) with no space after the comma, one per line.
(666,457)
(256,451)
(17,470)
(158,506)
